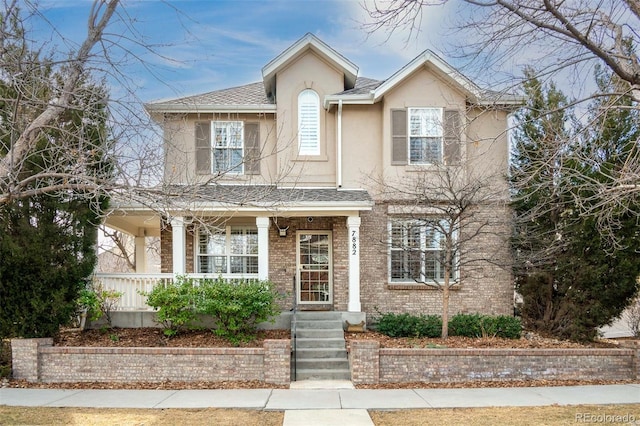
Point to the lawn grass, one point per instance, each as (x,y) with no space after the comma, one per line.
(550,415)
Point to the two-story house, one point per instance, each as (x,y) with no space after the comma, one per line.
(283,179)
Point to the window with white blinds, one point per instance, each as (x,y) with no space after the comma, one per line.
(425,135)
(308,123)
(227,250)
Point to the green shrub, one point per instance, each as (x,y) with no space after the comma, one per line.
(98,302)
(476,325)
(88,300)
(467,325)
(175,303)
(509,327)
(5,358)
(407,325)
(237,306)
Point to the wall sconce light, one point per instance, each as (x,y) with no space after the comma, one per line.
(281,231)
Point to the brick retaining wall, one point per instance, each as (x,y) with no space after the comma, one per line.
(36,360)
(370,364)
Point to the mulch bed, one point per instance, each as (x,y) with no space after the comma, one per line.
(153,337)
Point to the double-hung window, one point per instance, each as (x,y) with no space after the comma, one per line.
(227,250)
(227,147)
(425,135)
(418,251)
(227,144)
(308,123)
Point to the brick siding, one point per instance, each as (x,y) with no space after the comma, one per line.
(485,287)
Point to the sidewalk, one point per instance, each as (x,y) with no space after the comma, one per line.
(340,404)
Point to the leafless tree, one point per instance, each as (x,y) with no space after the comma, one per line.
(40,106)
(564,40)
(453,224)
(44,111)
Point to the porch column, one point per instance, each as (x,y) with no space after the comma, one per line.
(178,245)
(263,247)
(353,226)
(141,255)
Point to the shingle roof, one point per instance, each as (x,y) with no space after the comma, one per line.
(363,86)
(249,94)
(267,195)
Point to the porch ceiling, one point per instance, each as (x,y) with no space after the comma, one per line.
(139,225)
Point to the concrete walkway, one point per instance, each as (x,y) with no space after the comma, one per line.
(311,403)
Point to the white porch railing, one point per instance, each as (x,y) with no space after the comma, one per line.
(131,285)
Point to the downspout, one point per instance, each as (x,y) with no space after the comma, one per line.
(339,147)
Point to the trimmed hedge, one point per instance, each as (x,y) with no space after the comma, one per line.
(407,325)
(468,325)
(476,325)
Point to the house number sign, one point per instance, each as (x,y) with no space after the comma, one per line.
(354,242)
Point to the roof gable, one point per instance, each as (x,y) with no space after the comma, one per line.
(374,91)
(309,41)
(440,68)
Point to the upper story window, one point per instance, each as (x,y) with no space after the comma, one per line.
(227,250)
(425,135)
(308,123)
(417,251)
(227,147)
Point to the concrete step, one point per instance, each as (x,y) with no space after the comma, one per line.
(313,374)
(318,315)
(322,364)
(317,324)
(318,333)
(315,353)
(302,343)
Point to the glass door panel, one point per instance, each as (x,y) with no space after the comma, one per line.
(314,267)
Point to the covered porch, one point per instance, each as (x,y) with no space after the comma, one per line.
(306,241)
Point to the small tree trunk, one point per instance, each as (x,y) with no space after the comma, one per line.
(445,308)
(445,290)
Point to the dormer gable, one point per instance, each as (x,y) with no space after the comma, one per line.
(375,91)
(300,47)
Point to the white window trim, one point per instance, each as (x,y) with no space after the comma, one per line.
(239,169)
(422,249)
(298,295)
(227,251)
(312,146)
(410,135)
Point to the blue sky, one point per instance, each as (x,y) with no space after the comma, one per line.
(209,45)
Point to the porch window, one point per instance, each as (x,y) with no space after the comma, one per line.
(228,250)
(417,251)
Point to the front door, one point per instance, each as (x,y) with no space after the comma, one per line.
(314,267)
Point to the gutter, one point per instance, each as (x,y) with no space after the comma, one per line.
(182,108)
(339,148)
